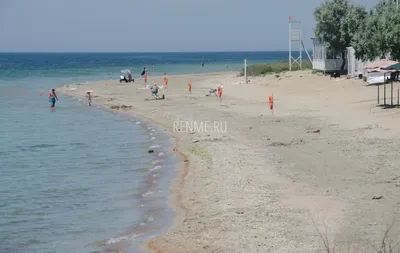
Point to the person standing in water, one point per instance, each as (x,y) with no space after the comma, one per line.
(165,80)
(89,98)
(52,97)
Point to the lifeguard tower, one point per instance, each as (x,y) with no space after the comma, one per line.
(296,44)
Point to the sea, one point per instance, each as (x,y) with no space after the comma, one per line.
(79,179)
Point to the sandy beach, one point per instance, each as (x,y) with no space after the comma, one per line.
(325,160)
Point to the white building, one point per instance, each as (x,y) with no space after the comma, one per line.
(355,67)
(324,60)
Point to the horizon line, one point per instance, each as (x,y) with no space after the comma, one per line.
(121,52)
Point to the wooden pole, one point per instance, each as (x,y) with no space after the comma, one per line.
(378,93)
(384,93)
(391,93)
(245,71)
(398,93)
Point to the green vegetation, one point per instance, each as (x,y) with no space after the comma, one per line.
(337,23)
(203,155)
(380,34)
(273,67)
(373,34)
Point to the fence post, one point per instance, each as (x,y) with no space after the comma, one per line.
(378,93)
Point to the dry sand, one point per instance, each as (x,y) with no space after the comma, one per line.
(269,181)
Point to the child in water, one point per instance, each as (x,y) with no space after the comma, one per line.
(52,97)
(89,98)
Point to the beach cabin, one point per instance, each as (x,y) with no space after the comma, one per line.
(324,60)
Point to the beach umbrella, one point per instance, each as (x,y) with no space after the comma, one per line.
(394,66)
(125,71)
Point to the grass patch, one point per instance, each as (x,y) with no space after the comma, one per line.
(202,154)
(273,67)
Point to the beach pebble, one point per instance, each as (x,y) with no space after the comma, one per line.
(115,107)
(377,197)
(195,141)
(150,151)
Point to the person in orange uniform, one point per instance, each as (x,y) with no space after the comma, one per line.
(145,78)
(220,92)
(165,80)
(190,86)
(271,102)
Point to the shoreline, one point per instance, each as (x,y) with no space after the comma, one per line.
(261,185)
(175,198)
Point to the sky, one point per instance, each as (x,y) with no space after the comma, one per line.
(153,25)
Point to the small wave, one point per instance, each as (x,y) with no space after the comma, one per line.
(6,153)
(35,147)
(157,161)
(150,218)
(152,138)
(138,123)
(155,146)
(147,193)
(119,239)
(78,144)
(161,154)
(43,146)
(151,134)
(155,168)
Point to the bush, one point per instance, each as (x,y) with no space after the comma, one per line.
(273,67)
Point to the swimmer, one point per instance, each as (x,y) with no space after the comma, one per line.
(52,97)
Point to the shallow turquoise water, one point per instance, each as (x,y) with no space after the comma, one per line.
(75,175)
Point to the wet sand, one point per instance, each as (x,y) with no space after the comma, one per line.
(321,160)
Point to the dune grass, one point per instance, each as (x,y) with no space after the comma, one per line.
(273,68)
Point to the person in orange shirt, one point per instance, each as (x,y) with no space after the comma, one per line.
(145,78)
(220,92)
(190,87)
(165,80)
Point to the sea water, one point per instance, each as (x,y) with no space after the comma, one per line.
(81,179)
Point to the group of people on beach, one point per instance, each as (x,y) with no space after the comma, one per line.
(154,90)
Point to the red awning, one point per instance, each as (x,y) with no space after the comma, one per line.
(379,64)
